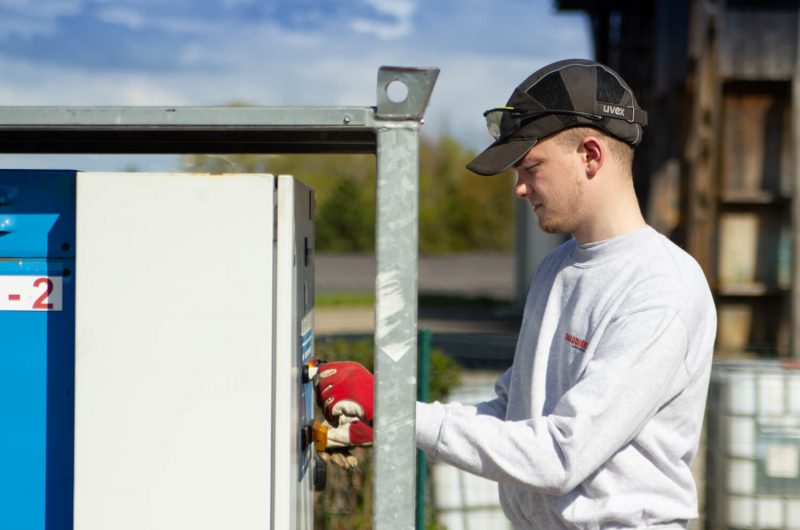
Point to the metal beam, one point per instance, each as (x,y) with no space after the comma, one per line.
(106,130)
(162,130)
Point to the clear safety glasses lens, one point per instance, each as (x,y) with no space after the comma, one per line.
(493,119)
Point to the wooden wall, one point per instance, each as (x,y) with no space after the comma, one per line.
(717,168)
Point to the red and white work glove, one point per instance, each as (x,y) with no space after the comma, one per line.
(345,395)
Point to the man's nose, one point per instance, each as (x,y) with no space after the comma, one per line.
(522,189)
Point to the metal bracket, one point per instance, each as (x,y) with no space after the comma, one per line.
(419,85)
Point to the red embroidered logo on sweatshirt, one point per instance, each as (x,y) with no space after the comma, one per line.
(581,344)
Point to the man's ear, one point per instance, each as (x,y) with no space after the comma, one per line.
(594,155)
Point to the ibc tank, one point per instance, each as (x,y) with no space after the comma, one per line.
(753,441)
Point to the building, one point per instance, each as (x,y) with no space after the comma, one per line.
(717,168)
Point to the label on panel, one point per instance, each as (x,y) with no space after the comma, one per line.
(31,293)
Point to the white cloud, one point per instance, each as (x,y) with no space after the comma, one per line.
(192,54)
(231,4)
(122,16)
(187,26)
(173,22)
(398,8)
(27,83)
(400,28)
(134,90)
(29,18)
(155,163)
(23,27)
(43,8)
(401,10)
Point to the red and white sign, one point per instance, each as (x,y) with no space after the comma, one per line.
(31,293)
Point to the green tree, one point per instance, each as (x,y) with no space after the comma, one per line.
(459,211)
(346,220)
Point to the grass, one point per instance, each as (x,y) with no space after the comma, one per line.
(344,299)
(365,299)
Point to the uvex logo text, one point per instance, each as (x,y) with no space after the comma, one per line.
(616,111)
(581,344)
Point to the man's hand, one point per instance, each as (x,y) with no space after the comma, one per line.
(345,388)
(348,433)
(334,443)
(345,395)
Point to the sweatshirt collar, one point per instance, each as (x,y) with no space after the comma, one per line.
(588,254)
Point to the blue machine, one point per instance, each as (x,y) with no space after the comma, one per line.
(37,348)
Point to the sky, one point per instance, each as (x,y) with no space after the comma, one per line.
(274,53)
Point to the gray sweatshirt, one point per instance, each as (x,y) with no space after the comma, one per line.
(598,420)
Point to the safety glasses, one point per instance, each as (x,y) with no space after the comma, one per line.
(502,122)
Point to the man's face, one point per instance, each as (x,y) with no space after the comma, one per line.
(549,177)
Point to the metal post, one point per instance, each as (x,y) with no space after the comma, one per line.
(397,226)
(396,328)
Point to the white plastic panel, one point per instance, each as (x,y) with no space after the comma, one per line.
(174,351)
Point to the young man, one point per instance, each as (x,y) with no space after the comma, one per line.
(598,420)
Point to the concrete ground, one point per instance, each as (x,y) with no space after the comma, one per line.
(465,276)
(475,274)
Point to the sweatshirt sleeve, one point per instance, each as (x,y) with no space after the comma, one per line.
(429,415)
(637,367)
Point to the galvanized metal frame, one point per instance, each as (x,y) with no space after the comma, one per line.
(390,130)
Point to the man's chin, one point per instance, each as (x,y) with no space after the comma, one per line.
(550,227)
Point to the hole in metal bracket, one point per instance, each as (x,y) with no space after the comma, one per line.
(397,91)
